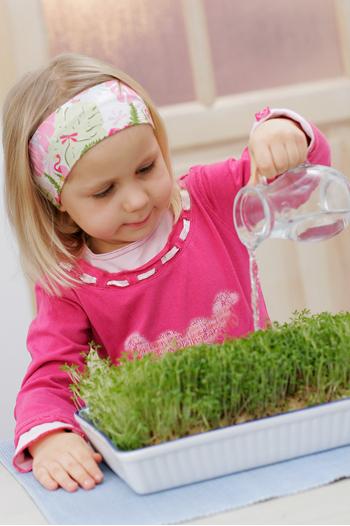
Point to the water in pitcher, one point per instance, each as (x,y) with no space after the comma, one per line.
(315,227)
(308,203)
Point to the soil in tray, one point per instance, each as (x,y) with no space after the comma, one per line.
(300,400)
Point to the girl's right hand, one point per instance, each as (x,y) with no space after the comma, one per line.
(66,460)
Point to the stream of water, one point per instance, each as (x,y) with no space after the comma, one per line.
(254,284)
(311,227)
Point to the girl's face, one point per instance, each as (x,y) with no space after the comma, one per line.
(119,189)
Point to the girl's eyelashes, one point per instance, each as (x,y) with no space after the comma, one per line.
(143,170)
(146,169)
(104,193)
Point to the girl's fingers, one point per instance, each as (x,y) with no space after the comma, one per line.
(264,161)
(90,466)
(293,154)
(60,475)
(253,172)
(297,154)
(77,471)
(302,146)
(97,457)
(43,476)
(276,146)
(280,157)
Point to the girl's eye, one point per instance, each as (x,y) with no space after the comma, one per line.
(104,193)
(146,169)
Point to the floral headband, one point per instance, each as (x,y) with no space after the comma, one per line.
(77,126)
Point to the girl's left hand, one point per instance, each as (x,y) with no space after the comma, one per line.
(275,146)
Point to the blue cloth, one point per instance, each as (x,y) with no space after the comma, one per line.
(113,502)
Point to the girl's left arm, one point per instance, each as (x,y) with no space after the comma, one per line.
(280,139)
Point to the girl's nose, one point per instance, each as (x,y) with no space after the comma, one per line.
(135,198)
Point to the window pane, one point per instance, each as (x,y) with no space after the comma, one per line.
(145,38)
(265,43)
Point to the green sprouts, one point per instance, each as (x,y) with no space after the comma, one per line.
(147,401)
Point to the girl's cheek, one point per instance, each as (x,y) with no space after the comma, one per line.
(156,190)
(167,188)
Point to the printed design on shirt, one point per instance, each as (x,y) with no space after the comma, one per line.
(201,330)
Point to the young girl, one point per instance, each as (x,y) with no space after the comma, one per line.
(121,253)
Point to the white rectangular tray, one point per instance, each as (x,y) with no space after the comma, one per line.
(227,450)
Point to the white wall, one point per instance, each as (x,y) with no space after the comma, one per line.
(15,315)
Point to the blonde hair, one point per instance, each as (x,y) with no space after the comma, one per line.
(48,239)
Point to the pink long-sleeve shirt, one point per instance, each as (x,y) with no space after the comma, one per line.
(196,289)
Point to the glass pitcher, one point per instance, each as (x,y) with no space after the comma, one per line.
(307,203)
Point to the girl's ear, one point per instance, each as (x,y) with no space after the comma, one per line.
(65,223)
(62,208)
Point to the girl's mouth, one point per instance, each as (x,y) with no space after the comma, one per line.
(140,223)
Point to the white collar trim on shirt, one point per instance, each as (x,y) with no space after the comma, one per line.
(88,279)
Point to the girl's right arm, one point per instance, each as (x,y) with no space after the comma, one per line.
(59,334)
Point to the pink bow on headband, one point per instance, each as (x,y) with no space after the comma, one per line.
(65,138)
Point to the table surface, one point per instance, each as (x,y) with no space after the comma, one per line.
(325,505)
